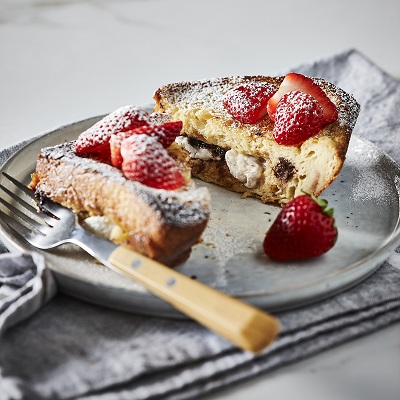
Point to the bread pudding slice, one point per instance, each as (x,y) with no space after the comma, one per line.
(161,224)
(245,157)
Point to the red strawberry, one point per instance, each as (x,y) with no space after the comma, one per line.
(304,228)
(164,133)
(115,147)
(97,137)
(298,116)
(248,103)
(103,156)
(299,82)
(145,160)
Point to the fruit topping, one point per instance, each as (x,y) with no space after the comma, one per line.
(298,82)
(103,156)
(248,103)
(146,160)
(304,228)
(135,142)
(115,147)
(97,138)
(164,133)
(298,116)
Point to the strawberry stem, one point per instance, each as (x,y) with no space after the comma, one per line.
(323,203)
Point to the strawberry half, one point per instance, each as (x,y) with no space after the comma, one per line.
(298,116)
(303,229)
(145,160)
(164,133)
(103,156)
(298,82)
(248,103)
(97,138)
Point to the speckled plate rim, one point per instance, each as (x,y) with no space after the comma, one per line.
(122,299)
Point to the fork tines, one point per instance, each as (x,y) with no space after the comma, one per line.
(22,217)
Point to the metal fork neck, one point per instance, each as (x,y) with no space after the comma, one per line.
(96,246)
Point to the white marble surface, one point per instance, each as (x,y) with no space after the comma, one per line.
(61,61)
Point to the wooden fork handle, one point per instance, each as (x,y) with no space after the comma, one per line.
(245,326)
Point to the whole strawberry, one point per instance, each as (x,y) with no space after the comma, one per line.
(304,228)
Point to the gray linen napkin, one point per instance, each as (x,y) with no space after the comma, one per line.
(73,350)
(25,285)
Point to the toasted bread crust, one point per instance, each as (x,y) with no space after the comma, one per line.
(160,224)
(317,161)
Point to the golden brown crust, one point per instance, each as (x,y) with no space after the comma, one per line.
(160,224)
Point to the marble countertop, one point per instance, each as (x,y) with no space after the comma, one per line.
(62,61)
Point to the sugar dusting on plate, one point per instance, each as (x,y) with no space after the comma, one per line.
(369,182)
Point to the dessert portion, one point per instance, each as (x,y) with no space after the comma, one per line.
(267,137)
(121,180)
(128,177)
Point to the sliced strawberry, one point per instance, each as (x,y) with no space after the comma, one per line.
(145,160)
(97,137)
(103,156)
(248,103)
(298,116)
(304,228)
(164,133)
(115,147)
(298,82)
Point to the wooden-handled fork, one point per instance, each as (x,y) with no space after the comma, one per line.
(245,326)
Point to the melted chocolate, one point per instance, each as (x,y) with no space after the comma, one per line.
(218,152)
(41,201)
(284,169)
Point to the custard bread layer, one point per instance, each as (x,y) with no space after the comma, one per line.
(160,224)
(245,157)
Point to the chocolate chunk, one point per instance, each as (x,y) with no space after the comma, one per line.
(284,169)
(218,152)
(41,200)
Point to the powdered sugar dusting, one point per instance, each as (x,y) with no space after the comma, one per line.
(209,94)
(147,161)
(225,247)
(185,207)
(248,103)
(122,119)
(298,116)
(157,118)
(369,184)
(347,106)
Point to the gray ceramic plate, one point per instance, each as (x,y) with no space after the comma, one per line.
(366,201)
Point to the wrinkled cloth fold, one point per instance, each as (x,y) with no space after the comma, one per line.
(25,286)
(67,349)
